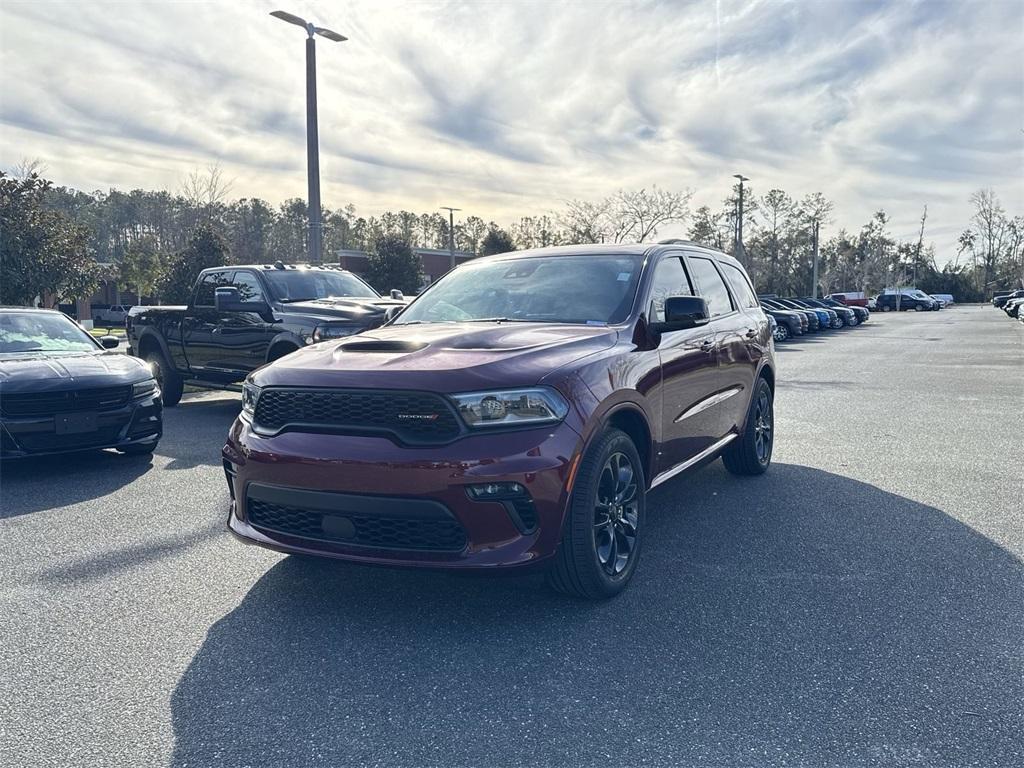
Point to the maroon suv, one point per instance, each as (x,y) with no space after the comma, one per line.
(513,416)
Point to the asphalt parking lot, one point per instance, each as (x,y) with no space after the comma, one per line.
(861,604)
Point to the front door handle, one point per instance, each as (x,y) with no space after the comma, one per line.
(751,333)
(707,345)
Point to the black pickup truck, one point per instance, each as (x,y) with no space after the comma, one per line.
(242,317)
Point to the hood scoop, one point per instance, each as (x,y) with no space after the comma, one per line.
(383,345)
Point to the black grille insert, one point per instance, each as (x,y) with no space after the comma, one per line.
(65,401)
(412,417)
(440,533)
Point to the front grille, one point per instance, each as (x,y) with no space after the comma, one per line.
(439,534)
(412,417)
(48,441)
(49,403)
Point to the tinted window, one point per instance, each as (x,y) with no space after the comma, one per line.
(309,284)
(740,286)
(248,286)
(711,286)
(591,288)
(669,280)
(209,283)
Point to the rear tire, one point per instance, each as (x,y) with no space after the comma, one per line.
(171,384)
(751,452)
(603,530)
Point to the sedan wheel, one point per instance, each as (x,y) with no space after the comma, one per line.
(781,332)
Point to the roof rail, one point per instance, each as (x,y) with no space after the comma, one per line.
(678,241)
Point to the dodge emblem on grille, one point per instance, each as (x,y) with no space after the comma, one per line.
(417,417)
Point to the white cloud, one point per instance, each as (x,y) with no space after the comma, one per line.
(507,109)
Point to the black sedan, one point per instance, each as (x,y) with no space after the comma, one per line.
(61,390)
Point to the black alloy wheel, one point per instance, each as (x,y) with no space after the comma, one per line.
(751,452)
(603,527)
(616,514)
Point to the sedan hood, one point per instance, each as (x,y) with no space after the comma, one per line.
(441,357)
(48,372)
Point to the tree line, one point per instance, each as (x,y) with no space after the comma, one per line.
(58,242)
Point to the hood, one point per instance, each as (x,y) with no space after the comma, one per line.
(354,309)
(441,357)
(44,372)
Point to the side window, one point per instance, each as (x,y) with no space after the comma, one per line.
(711,286)
(210,281)
(669,280)
(248,286)
(740,285)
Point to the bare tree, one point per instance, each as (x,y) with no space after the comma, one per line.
(637,215)
(205,190)
(585,222)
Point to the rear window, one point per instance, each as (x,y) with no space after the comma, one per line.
(711,286)
(740,285)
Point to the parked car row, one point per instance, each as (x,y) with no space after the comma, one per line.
(1010,302)
(513,417)
(797,316)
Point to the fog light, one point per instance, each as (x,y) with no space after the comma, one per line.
(495,491)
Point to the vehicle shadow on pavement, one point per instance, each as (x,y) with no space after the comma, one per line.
(193,436)
(800,618)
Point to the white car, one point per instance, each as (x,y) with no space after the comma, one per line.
(115,314)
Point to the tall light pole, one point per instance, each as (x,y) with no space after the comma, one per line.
(738,248)
(814,277)
(451,233)
(315,238)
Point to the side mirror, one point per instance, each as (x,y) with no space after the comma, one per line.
(227,299)
(397,295)
(392,312)
(109,342)
(683,312)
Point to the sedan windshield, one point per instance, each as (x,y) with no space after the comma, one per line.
(306,284)
(593,289)
(41,332)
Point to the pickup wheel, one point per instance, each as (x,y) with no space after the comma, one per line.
(604,523)
(751,452)
(171,384)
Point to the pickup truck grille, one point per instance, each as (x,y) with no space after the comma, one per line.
(417,418)
(50,403)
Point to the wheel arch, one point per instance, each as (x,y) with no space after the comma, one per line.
(631,420)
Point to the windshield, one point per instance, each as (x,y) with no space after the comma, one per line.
(595,289)
(41,332)
(306,284)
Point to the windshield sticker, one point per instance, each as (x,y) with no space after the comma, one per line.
(597,322)
(623,277)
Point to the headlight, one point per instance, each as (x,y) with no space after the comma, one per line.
(250,394)
(333,331)
(144,388)
(511,407)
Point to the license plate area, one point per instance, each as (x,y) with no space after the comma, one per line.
(75,423)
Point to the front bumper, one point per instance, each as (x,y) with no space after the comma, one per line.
(140,421)
(366,499)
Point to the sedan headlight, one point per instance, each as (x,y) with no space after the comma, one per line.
(250,394)
(143,388)
(329,331)
(511,407)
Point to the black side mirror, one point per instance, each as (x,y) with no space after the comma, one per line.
(109,342)
(228,299)
(397,295)
(683,312)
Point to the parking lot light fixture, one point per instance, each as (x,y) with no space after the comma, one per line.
(315,237)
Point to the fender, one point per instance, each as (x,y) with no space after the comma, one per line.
(150,333)
(287,337)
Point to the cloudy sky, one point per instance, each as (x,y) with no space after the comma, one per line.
(509,108)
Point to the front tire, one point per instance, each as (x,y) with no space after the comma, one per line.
(751,452)
(603,530)
(781,332)
(171,384)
